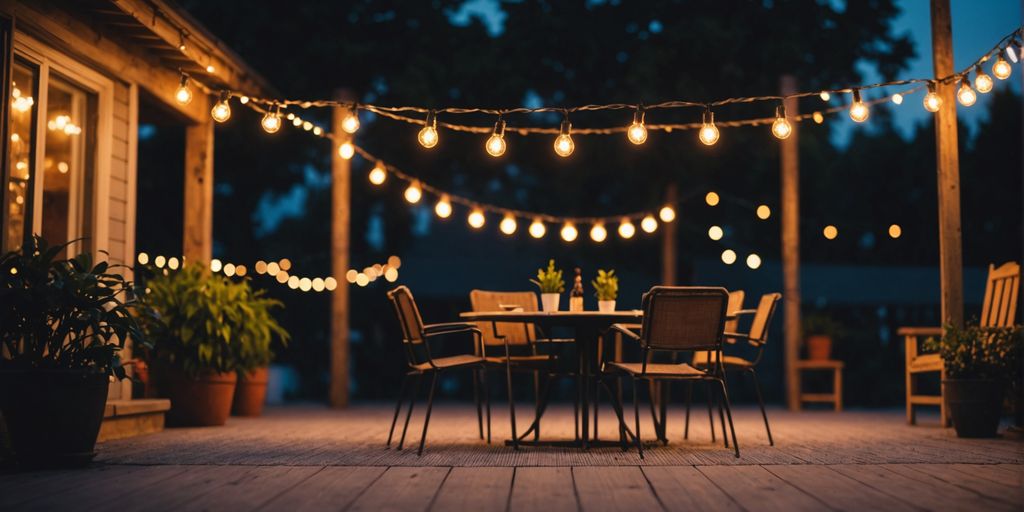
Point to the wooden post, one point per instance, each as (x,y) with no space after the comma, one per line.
(790,199)
(669,240)
(341,184)
(197,246)
(947,162)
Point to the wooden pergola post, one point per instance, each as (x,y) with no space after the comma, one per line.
(341,184)
(669,239)
(197,243)
(790,198)
(947,162)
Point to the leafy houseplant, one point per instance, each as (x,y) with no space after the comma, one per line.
(980,363)
(62,324)
(205,330)
(820,332)
(551,286)
(606,287)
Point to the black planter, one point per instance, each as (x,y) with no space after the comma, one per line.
(53,416)
(976,405)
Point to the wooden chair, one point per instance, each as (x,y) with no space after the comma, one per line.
(999,309)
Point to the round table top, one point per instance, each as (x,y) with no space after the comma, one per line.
(540,316)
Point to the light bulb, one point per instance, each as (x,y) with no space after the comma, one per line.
(598,233)
(243,100)
(476,219)
(781,128)
(210,69)
(897,98)
(627,229)
(350,124)
(648,224)
(496,143)
(414,193)
(830,232)
(825,96)
(753,261)
(708,131)
(378,174)
(966,95)
(667,214)
(221,110)
(346,150)
(443,208)
(508,224)
(537,229)
(763,212)
(715,233)
(564,145)
(932,100)
(818,117)
(183,95)
(272,121)
(728,256)
(712,198)
(428,135)
(637,132)
(895,231)
(569,232)
(1001,69)
(858,110)
(982,82)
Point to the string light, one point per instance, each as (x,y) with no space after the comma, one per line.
(763,212)
(243,100)
(1012,51)
(272,120)
(932,101)
(667,214)
(598,233)
(818,117)
(569,232)
(378,174)
(966,95)
(648,224)
(825,96)
(895,231)
(221,111)
(495,145)
(781,128)
(564,145)
(711,198)
(626,228)
(210,69)
(537,229)
(897,98)
(637,132)
(428,134)
(476,219)
(830,232)
(508,224)
(443,208)
(346,150)
(1001,69)
(414,193)
(330,283)
(708,131)
(753,261)
(715,233)
(350,124)
(858,110)
(229,269)
(728,256)
(172,263)
(982,82)
(143,258)
(184,94)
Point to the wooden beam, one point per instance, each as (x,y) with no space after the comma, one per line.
(947,160)
(669,241)
(790,199)
(197,245)
(341,184)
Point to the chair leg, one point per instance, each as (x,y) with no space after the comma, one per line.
(511,406)
(398,408)
(536,403)
(636,417)
(721,418)
(412,402)
(479,404)
(728,412)
(711,416)
(597,406)
(760,401)
(689,398)
(430,405)
(487,400)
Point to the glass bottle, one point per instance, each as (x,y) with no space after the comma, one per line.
(576,295)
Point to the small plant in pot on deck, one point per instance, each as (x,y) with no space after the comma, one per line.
(606,287)
(551,286)
(820,333)
(62,324)
(981,363)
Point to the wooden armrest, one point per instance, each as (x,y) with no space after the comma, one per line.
(448,328)
(919,331)
(624,329)
(739,312)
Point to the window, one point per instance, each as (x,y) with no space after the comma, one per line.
(23,110)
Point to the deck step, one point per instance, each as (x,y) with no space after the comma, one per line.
(129,418)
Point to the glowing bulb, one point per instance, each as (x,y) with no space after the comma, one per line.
(305,284)
(711,199)
(728,256)
(508,224)
(667,214)
(569,232)
(272,121)
(763,212)
(261,267)
(598,233)
(753,261)
(858,110)
(346,150)
(830,232)
(708,131)
(378,175)
(897,98)
(966,95)
(895,231)
(627,229)
(172,263)
(240,270)
(293,282)
(982,82)
(537,229)
(716,232)
(183,95)
(221,110)
(318,284)
(496,143)
(229,269)
(351,276)
(243,100)
(210,69)
(414,193)
(825,96)
(648,224)
(273,268)
(1001,69)
(428,135)
(564,145)
(818,117)
(330,283)
(476,219)
(932,101)
(351,122)
(443,208)
(216,265)
(781,128)
(143,258)
(637,132)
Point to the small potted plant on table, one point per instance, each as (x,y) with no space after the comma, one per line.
(551,286)
(980,363)
(820,332)
(606,287)
(62,324)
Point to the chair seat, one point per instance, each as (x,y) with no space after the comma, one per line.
(658,369)
(540,358)
(728,362)
(450,362)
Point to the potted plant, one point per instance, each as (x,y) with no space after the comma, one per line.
(606,287)
(257,334)
(980,363)
(820,331)
(62,324)
(551,286)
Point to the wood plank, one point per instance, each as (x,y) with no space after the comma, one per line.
(87,496)
(789,197)
(840,492)
(341,205)
(334,487)
(187,486)
(613,488)
(15,490)
(973,481)
(912,491)
(1011,475)
(475,489)
(249,487)
(198,224)
(685,488)
(754,488)
(543,488)
(402,489)
(946,489)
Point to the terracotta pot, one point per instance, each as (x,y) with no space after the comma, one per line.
(975,405)
(250,393)
(204,401)
(819,347)
(53,416)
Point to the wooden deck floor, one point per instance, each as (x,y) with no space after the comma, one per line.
(301,458)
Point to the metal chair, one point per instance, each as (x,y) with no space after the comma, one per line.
(415,339)
(676,319)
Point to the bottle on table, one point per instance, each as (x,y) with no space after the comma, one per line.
(576,295)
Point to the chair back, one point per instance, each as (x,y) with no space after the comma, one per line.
(763,318)
(516,333)
(408,315)
(682,318)
(999,308)
(735,304)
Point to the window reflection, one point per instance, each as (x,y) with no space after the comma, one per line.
(65,203)
(23,108)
